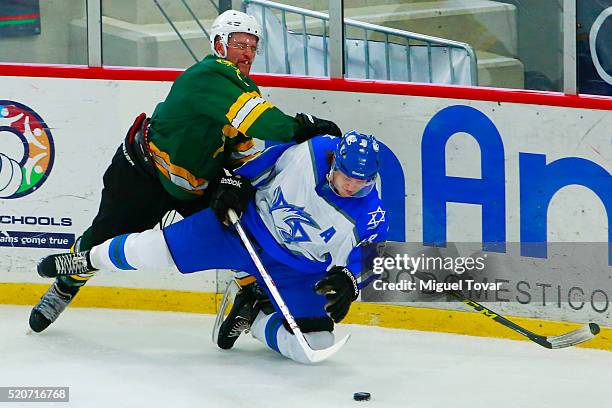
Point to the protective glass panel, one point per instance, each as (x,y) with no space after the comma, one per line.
(296,36)
(508,44)
(34,31)
(594,46)
(538,45)
(157,33)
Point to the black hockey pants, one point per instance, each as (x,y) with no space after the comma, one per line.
(133,200)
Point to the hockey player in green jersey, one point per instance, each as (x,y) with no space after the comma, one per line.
(172,160)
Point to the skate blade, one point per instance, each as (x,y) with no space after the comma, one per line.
(230,293)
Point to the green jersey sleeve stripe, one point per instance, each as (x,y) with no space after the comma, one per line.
(245,110)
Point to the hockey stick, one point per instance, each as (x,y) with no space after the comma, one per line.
(314,356)
(580,335)
(584,333)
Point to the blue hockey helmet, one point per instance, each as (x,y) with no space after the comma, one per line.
(356,156)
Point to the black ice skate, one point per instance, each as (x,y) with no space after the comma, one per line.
(50,306)
(53,266)
(248,302)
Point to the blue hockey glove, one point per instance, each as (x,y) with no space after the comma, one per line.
(340,288)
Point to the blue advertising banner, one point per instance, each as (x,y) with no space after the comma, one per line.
(594,46)
(35,239)
(19,18)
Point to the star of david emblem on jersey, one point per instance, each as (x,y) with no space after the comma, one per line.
(377,217)
(293,217)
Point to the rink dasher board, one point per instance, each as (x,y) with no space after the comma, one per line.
(86,129)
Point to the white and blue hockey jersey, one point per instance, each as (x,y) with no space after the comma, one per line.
(298,220)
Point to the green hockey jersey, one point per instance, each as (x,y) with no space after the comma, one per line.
(208,121)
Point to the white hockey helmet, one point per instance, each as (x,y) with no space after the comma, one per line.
(232,21)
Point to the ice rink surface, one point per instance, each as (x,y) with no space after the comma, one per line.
(118,358)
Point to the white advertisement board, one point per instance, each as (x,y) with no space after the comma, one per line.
(455,170)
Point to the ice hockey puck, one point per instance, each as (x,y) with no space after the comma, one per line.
(361,396)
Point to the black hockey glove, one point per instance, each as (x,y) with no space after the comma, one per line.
(232,191)
(311,126)
(340,288)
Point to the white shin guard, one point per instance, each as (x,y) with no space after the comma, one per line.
(144,250)
(269,329)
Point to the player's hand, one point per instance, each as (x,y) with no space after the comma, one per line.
(311,126)
(340,288)
(232,191)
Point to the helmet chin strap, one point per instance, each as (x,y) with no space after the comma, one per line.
(330,183)
(330,178)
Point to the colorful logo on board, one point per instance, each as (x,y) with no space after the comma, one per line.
(26,150)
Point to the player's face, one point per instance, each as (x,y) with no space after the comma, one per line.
(241,50)
(346,186)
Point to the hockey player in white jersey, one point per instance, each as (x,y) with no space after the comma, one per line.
(315,208)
